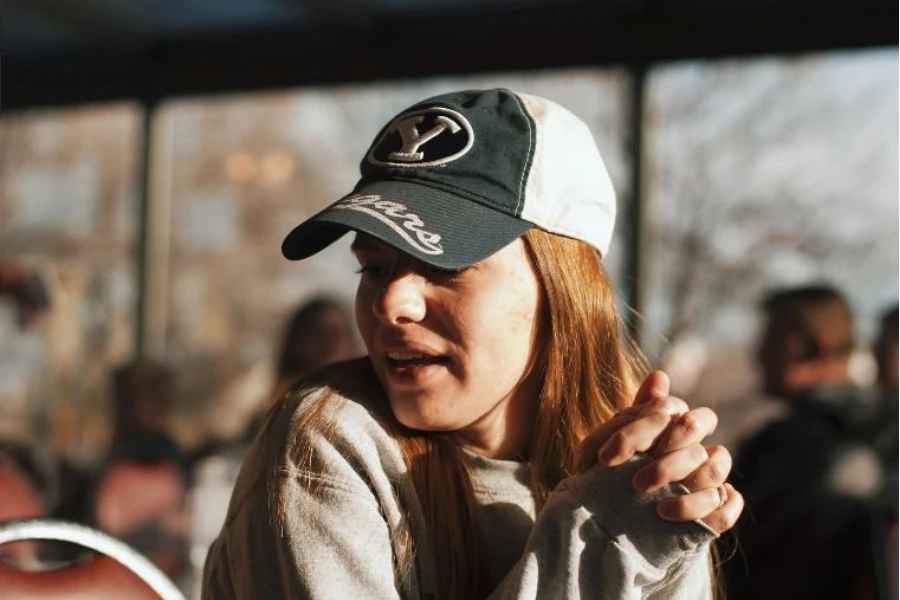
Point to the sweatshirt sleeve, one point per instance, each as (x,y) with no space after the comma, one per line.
(334,542)
(598,538)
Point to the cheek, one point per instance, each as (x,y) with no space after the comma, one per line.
(513,322)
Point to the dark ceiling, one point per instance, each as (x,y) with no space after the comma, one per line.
(64,52)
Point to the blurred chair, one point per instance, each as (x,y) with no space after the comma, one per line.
(18,500)
(145,505)
(117,572)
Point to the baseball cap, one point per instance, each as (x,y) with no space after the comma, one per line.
(455,178)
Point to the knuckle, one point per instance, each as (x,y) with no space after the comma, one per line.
(715,473)
(661,419)
(689,423)
(719,521)
(673,406)
(655,409)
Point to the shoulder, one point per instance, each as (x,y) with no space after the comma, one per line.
(343,403)
(333,423)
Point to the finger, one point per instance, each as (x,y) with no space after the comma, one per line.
(586,454)
(667,404)
(672,406)
(724,518)
(637,436)
(705,505)
(670,468)
(655,385)
(690,428)
(713,472)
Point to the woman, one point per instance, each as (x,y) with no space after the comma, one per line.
(494,442)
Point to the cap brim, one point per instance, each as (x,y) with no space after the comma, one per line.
(432,225)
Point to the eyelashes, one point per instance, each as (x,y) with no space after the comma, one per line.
(431,273)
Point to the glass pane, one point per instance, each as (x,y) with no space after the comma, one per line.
(246,170)
(765,173)
(67,212)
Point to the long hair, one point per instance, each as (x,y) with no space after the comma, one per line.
(589,369)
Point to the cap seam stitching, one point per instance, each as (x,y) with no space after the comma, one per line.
(520,195)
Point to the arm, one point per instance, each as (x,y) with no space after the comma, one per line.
(596,537)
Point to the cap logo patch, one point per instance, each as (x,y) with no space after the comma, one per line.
(397,217)
(423,138)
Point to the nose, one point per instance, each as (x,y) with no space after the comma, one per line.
(401,299)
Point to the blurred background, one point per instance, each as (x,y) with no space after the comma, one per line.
(154,154)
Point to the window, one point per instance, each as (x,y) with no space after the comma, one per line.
(765,173)
(67,209)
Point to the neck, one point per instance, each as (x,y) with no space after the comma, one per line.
(505,431)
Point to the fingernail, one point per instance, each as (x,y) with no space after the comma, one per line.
(664,510)
(607,455)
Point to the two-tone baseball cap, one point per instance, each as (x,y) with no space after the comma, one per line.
(455,178)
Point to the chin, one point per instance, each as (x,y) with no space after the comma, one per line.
(420,421)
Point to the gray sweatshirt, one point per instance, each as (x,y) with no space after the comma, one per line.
(595,537)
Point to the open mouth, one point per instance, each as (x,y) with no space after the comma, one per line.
(410,360)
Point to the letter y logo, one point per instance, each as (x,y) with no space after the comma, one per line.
(412,139)
(401,144)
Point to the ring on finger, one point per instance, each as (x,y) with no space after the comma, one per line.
(723,495)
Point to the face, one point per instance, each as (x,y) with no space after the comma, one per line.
(453,349)
(782,356)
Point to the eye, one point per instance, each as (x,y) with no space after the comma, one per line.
(371,269)
(439,275)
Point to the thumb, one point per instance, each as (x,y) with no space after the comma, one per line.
(655,385)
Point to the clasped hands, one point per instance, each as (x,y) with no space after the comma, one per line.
(669,430)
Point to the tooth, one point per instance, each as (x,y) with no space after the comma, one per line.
(405,355)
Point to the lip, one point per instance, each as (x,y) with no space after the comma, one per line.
(411,373)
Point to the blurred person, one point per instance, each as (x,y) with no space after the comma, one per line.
(140,492)
(882,427)
(497,439)
(811,484)
(319,332)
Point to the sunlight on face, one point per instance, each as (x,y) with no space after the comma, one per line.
(453,349)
